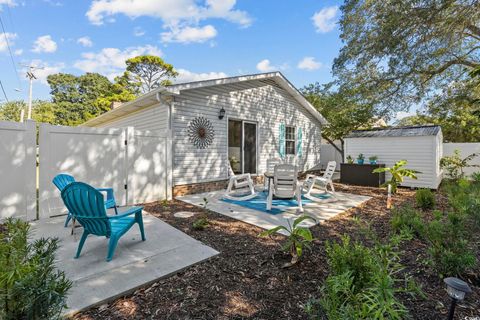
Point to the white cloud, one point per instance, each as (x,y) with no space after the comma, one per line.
(189,34)
(18,52)
(45,69)
(325,19)
(309,63)
(9,3)
(138,32)
(403,114)
(181,18)
(266,66)
(170,11)
(111,61)
(44,44)
(188,76)
(6,38)
(85,41)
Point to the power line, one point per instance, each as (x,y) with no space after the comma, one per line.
(10,51)
(4,93)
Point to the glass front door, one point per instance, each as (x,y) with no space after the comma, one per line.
(242,146)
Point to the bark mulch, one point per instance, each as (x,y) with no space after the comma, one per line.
(247,281)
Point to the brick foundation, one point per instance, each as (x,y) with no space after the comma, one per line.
(184,189)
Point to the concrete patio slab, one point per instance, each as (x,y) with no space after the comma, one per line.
(135,263)
(320,210)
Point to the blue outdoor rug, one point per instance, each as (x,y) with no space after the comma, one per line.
(259,203)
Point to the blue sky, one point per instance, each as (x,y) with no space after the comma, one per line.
(201,38)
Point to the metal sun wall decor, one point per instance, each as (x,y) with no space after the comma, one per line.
(201,132)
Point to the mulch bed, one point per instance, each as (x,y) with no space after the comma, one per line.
(247,281)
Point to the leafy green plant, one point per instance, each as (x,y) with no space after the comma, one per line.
(455,165)
(363,283)
(398,173)
(476,177)
(202,221)
(407,220)
(425,199)
(361,157)
(349,159)
(298,237)
(30,285)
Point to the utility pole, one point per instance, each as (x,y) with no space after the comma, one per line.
(31,77)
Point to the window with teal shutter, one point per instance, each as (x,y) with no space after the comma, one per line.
(281,140)
(299,143)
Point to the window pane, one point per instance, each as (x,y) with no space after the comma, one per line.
(290,147)
(290,133)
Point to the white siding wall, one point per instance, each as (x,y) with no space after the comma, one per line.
(260,101)
(422,154)
(150,118)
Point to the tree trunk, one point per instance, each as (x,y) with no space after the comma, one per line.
(341,150)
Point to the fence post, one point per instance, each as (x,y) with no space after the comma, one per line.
(31,172)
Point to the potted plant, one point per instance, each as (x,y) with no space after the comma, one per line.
(360,158)
(349,159)
(373,159)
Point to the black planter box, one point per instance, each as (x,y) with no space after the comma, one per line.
(361,174)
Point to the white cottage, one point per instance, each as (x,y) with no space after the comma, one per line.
(247,119)
(421,146)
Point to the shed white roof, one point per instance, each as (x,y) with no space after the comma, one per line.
(153,97)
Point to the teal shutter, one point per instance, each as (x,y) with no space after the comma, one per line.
(299,143)
(281,140)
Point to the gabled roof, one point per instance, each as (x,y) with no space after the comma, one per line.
(411,131)
(154,96)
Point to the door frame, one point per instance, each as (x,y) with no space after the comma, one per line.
(243,121)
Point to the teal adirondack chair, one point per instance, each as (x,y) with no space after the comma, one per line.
(88,207)
(62,180)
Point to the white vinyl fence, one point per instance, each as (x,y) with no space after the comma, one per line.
(465,149)
(17,170)
(329,153)
(136,164)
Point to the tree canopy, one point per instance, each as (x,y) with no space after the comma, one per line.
(145,73)
(42,111)
(400,52)
(342,112)
(80,98)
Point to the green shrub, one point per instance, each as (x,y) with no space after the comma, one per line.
(30,285)
(425,199)
(407,220)
(200,223)
(362,284)
(476,177)
(298,237)
(450,252)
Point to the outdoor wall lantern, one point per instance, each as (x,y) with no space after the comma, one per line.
(456,289)
(221,114)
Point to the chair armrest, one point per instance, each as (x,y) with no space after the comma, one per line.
(243,176)
(132,210)
(109,192)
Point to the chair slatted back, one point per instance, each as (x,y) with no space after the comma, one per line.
(330,170)
(271,163)
(285,180)
(62,180)
(88,207)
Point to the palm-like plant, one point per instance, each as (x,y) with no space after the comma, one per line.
(298,237)
(398,173)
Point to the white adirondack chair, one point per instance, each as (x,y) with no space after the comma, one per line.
(324,181)
(237,182)
(285,185)
(271,163)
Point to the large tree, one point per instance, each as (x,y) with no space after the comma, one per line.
(80,98)
(343,113)
(399,52)
(42,111)
(145,73)
(456,110)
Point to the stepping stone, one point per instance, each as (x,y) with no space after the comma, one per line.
(184,214)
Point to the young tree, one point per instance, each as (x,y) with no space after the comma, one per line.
(145,73)
(42,111)
(397,52)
